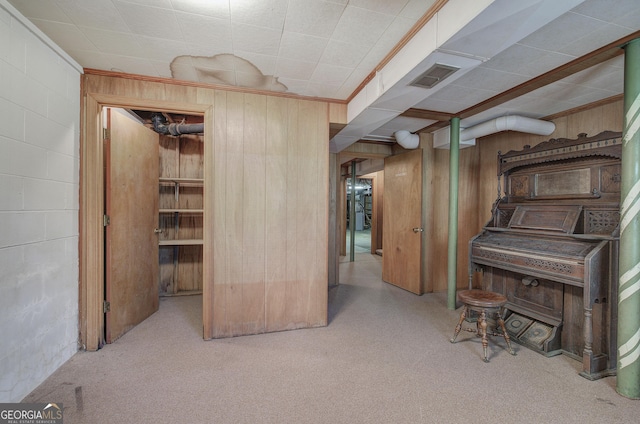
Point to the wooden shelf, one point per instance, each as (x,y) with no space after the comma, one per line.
(196,211)
(182,293)
(185,242)
(194,181)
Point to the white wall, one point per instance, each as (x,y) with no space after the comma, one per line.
(39,186)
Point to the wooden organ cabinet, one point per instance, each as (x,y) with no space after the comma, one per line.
(551,247)
(181,214)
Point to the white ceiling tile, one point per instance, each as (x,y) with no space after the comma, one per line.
(133,65)
(295,69)
(392,7)
(208,50)
(594,39)
(393,34)
(165,4)
(269,14)
(113,42)
(307,48)
(561,32)
(258,81)
(490,79)
(316,89)
(162,68)
(294,85)
(629,20)
(353,81)
(265,63)
(373,58)
(214,8)
(415,9)
(160,49)
(343,54)
(596,75)
(150,21)
(91,59)
(361,26)
(317,18)
(64,34)
(472,95)
(94,13)
(49,11)
(525,60)
(607,10)
(344,92)
(330,74)
(205,30)
(254,39)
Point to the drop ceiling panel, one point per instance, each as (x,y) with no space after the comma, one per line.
(150,21)
(317,18)
(307,48)
(328,48)
(361,26)
(270,14)
(214,8)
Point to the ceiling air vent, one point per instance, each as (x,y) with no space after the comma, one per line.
(433,76)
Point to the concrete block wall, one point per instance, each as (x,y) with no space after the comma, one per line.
(39,188)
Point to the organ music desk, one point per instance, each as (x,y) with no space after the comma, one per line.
(551,247)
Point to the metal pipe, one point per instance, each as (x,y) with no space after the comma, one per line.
(161,127)
(628,339)
(352,213)
(454,161)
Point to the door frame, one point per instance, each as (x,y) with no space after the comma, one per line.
(91,227)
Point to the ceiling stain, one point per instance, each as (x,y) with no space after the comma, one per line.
(225,69)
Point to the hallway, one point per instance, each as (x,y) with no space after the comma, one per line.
(385,357)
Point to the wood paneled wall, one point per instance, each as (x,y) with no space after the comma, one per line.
(266,203)
(270,225)
(478,184)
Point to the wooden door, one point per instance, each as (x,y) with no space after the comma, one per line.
(402,228)
(131,262)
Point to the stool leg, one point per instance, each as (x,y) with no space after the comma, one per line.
(507,339)
(463,315)
(482,322)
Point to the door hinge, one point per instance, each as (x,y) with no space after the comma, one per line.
(106,306)
(106,220)
(106,134)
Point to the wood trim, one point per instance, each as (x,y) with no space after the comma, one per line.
(427,114)
(92,206)
(174,82)
(435,8)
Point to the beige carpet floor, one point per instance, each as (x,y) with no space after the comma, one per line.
(385,357)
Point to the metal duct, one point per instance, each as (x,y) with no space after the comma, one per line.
(407,139)
(161,127)
(508,123)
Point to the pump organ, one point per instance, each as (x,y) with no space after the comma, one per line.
(551,247)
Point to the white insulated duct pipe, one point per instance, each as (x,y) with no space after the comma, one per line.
(508,123)
(407,139)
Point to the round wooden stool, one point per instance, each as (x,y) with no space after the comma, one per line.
(485,303)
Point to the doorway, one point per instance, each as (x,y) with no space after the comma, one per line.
(154,209)
(363,210)
(92,207)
